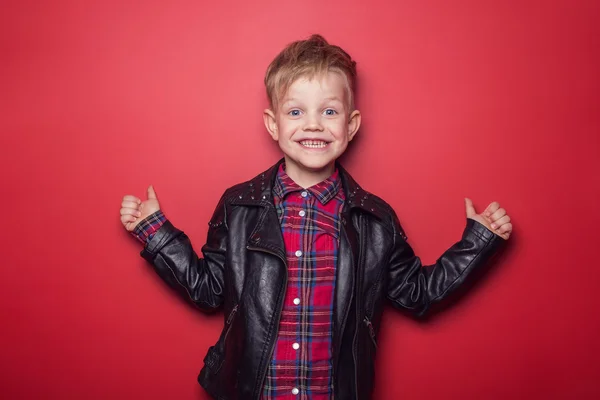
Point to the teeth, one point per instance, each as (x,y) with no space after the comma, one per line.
(314,144)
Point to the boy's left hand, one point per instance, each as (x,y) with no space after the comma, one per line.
(494,218)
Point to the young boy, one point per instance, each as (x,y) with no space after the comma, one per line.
(301,257)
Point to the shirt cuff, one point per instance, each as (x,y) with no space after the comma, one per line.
(148,226)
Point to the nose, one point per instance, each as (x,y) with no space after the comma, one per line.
(313,123)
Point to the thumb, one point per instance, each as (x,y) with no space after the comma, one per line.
(151,193)
(469,208)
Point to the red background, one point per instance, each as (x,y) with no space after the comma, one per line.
(491,100)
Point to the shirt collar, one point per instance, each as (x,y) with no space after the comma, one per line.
(323,191)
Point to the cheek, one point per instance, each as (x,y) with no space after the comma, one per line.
(288,128)
(339,129)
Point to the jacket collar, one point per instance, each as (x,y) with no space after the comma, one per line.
(258,192)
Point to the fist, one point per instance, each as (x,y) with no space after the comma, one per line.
(494,218)
(133,210)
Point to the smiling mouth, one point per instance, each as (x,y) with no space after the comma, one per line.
(314,144)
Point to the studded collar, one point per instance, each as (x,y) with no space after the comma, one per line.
(258,192)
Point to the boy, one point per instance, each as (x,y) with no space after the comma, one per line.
(301,257)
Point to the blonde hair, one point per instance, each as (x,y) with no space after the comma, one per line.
(310,58)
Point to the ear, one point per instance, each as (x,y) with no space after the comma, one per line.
(353,124)
(271,123)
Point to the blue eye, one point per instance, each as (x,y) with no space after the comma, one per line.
(294,113)
(330,111)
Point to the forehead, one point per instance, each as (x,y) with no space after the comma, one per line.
(327,85)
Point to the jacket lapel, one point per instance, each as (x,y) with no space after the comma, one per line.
(345,273)
(257,192)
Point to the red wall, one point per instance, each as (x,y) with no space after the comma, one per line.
(491,100)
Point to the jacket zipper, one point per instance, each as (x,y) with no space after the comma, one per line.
(370,311)
(231,314)
(229,320)
(371,330)
(280,308)
(228,326)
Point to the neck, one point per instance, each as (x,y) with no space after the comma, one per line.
(307,178)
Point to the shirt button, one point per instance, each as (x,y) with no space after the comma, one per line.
(304,193)
(296,301)
(296,346)
(295,391)
(298,253)
(302,213)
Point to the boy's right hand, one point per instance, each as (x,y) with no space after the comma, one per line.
(133,210)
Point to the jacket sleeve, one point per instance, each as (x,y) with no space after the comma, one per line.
(199,280)
(414,287)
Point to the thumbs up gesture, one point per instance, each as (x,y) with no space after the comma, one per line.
(133,210)
(494,218)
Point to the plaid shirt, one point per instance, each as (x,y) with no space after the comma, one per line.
(148,226)
(301,367)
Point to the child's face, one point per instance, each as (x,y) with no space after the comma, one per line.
(313,123)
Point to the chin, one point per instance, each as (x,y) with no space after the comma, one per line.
(311,161)
(315,164)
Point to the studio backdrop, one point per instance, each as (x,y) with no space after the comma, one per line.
(495,101)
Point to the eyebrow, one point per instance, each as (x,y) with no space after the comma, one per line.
(292,99)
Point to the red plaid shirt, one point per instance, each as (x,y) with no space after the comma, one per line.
(301,367)
(148,226)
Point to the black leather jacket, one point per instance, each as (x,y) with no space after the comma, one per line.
(244,270)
